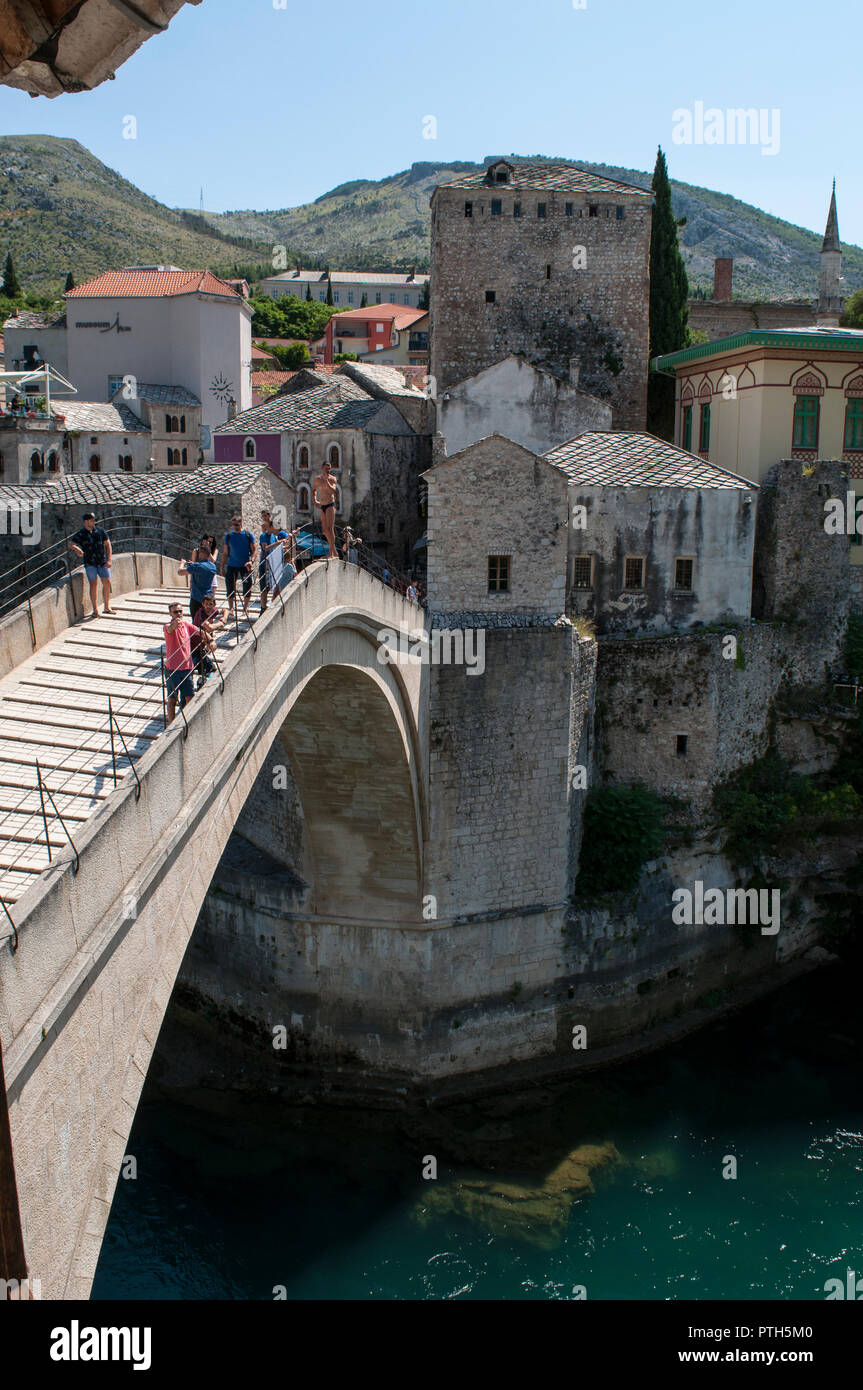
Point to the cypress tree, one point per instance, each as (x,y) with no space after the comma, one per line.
(329,291)
(70,283)
(669,311)
(11,285)
(364,302)
(308,291)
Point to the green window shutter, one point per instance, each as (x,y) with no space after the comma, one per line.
(806,411)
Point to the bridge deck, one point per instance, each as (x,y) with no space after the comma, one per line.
(54,710)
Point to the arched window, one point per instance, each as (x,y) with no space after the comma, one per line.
(125,463)
(36,463)
(304,457)
(2,464)
(95,463)
(185,457)
(53,463)
(249,449)
(175,425)
(182,424)
(304,498)
(167,424)
(334,456)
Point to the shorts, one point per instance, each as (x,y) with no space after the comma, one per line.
(232,574)
(194,605)
(180,683)
(97,571)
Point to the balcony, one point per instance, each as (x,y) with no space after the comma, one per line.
(418,342)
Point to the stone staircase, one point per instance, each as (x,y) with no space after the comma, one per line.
(54,713)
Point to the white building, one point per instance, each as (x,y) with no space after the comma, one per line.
(182,328)
(349,286)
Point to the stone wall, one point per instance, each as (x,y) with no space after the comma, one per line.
(544,308)
(721,319)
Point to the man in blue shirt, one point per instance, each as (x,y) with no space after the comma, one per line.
(202,573)
(238,553)
(269,539)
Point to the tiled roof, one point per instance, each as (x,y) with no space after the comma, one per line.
(401,315)
(339,404)
(94,415)
(28,318)
(353,277)
(821,339)
(259,355)
(621,459)
(156,489)
(265,378)
(148,284)
(164,395)
(394,380)
(565,178)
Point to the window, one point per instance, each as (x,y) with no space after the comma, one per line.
(498,574)
(2,464)
(249,449)
(806,413)
(322,296)
(125,463)
(114,384)
(686,432)
(175,424)
(704,430)
(540,209)
(167,426)
(95,463)
(683,567)
(854,425)
(516,209)
(379,327)
(502,176)
(182,424)
(336,294)
(548,272)
(37,464)
(407,299)
(211,506)
(378,297)
(490,297)
(620,213)
(350,296)
(53,462)
(382,526)
(569,209)
(582,572)
(593,210)
(468,209)
(185,457)
(682,743)
(633,572)
(94,439)
(334,456)
(303,498)
(496,207)
(304,457)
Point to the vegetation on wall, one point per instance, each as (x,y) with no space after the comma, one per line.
(757,805)
(624,827)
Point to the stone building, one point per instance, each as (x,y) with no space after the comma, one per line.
(548,261)
(535,408)
(31,338)
(620,528)
(87,437)
(375,454)
(173,417)
(140,509)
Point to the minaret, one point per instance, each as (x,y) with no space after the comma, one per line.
(830,302)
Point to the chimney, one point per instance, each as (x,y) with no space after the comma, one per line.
(232,408)
(722,268)
(574,369)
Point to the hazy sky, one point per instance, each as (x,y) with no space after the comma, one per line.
(269,107)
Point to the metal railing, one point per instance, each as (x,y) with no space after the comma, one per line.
(166,536)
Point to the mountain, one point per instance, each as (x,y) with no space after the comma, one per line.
(61,209)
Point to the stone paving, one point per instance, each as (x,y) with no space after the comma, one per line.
(54,712)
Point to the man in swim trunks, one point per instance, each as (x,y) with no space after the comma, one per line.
(326,485)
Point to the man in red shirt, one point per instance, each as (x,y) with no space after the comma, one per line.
(178,659)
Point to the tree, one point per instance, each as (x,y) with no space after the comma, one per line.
(364,302)
(423,302)
(669,292)
(295,356)
(308,292)
(329,290)
(70,283)
(852,316)
(11,284)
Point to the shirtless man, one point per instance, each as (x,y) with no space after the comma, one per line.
(326,486)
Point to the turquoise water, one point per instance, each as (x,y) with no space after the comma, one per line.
(234,1201)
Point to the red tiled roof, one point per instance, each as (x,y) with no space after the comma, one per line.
(258,355)
(260,379)
(151,284)
(403,316)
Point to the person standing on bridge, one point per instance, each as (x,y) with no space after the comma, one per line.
(179,665)
(326,485)
(238,555)
(270,541)
(202,573)
(92,545)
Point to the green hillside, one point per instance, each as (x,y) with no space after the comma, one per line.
(61,209)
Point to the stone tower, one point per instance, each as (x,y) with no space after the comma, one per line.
(548,261)
(830,302)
